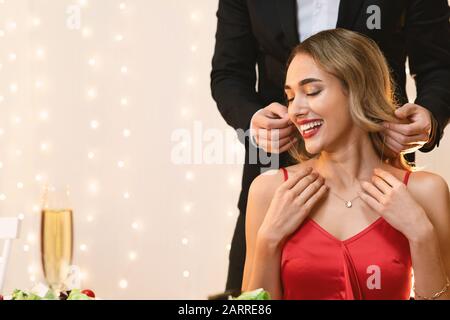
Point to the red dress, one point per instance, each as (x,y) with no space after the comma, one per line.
(373,264)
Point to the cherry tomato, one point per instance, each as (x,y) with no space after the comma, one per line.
(1,297)
(89,293)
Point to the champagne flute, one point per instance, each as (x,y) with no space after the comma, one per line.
(56,237)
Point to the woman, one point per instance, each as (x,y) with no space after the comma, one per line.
(345,222)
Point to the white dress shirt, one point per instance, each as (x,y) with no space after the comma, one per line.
(313,16)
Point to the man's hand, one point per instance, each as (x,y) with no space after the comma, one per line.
(272,129)
(413,133)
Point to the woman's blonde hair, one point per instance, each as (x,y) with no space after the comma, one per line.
(364,74)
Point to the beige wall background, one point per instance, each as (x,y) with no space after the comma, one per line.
(95,107)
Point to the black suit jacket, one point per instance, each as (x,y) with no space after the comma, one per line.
(262,33)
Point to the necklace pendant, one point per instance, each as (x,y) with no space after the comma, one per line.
(349,204)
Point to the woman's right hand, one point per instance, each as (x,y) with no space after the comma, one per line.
(291,204)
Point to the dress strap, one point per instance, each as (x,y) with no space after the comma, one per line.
(285,172)
(406,178)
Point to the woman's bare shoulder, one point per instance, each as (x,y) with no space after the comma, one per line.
(431,191)
(267,183)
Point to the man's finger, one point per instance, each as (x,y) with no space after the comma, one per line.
(275,134)
(287,146)
(262,121)
(278,109)
(394,145)
(273,147)
(410,129)
(406,111)
(405,140)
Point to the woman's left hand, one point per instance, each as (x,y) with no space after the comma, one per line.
(390,198)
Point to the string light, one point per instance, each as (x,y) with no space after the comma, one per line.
(187,207)
(132,255)
(94,124)
(12,57)
(36,22)
(40,53)
(93,187)
(43,115)
(14,88)
(119,37)
(189,176)
(31,238)
(126,133)
(45,146)
(123,284)
(86,32)
(17,120)
(92,93)
(185,112)
(11,26)
(39,84)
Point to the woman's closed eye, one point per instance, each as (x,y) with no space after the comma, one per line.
(311,94)
(314,93)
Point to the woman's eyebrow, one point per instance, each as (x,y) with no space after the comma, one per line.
(304,82)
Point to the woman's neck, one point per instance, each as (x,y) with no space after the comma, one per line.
(345,165)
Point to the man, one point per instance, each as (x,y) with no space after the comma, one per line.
(261,33)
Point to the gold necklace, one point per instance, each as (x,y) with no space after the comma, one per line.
(349,203)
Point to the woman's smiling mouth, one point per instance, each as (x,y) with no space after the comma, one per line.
(309,128)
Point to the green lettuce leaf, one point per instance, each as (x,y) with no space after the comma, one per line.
(76,294)
(259,294)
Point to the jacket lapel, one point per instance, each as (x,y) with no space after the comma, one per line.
(348,12)
(287,11)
